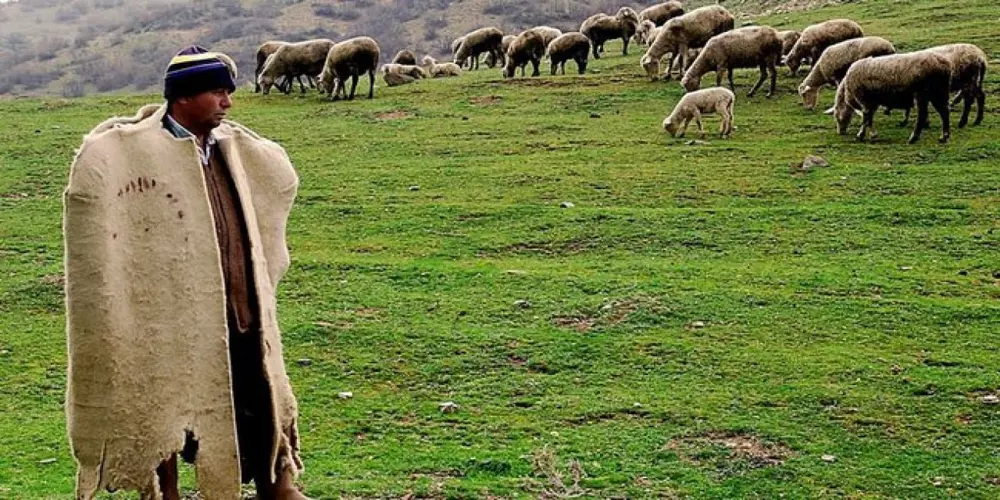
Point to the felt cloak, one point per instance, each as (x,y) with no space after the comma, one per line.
(146,304)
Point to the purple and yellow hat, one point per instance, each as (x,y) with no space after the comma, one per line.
(195,70)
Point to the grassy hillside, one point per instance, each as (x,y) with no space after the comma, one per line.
(703,322)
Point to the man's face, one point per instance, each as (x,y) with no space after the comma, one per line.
(208,109)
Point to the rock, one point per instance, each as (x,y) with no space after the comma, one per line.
(595,115)
(938,481)
(696,142)
(47,461)
(636,405)
(448,407)
(516,271)
(828,458)
(305,362)
(813,161)
(414,188)
(990,399)
(963,272)
(567,204)
(345,395)
(4,352)
(905,268)
(523,304)
(465,118)
(697,324)
(996,275)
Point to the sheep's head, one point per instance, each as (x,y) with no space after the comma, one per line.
(266,82)
(691,82)
(670,127)
(842,113)
(326,81)
(651,65)
(627,14)
(809,95)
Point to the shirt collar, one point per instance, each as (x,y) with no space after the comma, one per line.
(177,130)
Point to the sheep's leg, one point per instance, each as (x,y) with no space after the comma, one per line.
(596,47)
(697,121)
(921,119)
(958,97)
(732,117)
(941,106)
(684,127)
(760,81)
(870,119)
(371,83)
(718,77)
(625,41)
(535,63)
(302,86)
(723,111)
(555,67)
(772,68)
(980,105)
(966,108)
(354,86)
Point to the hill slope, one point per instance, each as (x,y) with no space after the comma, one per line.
(702,323)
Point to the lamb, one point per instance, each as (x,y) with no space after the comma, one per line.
(750,47)
(836,59)
(894,81)
(600,28)
(401,74)
(816,38)
(406,57)
(968,70)
(263,52)
(706,101)
(573,45)
(477,42)
(440,70)
(690,31)
(491,60)
(660,13)
(527,47)
(349,59)
(294,59)
(788,39)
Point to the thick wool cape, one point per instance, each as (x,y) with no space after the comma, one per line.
(146,304)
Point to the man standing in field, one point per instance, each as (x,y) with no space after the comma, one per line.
(175,242)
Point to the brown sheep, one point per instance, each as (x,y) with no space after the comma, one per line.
(575,46)
(477,42)
(690,31)
(263,52)
(788,39)
(750,47)
(600,28)
(662,12)
(895,82)
(968,70)
(835,61)
(293,60)
(401,74)
(405,57)
(816,38)
(527,47)
(349,59)
(491,60)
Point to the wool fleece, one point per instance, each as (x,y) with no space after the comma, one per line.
(146,304)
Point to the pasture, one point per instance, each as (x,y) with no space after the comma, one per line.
(703,321)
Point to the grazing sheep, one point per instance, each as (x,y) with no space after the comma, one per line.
(600,28)
(547,33)
(895,82)
(816,38)
(573,45)
(662,12)
(401,74)
(293,60)
(836,59)
(263,52)
(482,40)
(643,32)
(788,39)
(440,70)
(455,44)
(406,57)
(527,47)
(690,31)
(968,70)
(349,59)
(706,101)
(750,47)
(491,60)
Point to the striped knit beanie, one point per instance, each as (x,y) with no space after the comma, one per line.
(195,70)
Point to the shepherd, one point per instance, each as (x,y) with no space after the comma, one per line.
(174,225)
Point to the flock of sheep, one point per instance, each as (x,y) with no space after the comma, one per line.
(866,71)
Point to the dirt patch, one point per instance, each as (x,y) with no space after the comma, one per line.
(610,313)
(486,100)
(393,115)
(54,279)
(733,447)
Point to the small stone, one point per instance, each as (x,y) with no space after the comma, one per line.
(567,204)
(47,461)
(345,395)
(516,271)
(829,458)
(696,142)
(4,352)
(414,188)
(304,362)
(905,268)
(996,275)
(465,118)
(595,115)
(448,407)
(963,272)
(523,304)
(990,399)
(938,481)
(698,324)
(637,405)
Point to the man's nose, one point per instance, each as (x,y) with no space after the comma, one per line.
(226,102)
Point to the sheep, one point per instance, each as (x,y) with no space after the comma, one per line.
(788,39)
(706,101)
(894,81)
(401,74)
(643,31)
(836,59)
(527,47)
(440,70)
(292,60)
(406,57)
(573,45)
(660,13)
(968,70)
(455,44)
(479,41)
(600,28)
(690,31)
(547,33)
(816,38)
(750,47)
(349,59)
(491,60)
(263,52)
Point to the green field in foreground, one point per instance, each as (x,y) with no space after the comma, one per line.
(702,322)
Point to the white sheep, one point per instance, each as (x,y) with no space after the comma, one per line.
(694,104)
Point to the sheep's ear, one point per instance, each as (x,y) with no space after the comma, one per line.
(829,111)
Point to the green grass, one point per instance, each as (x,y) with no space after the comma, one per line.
(850,311)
